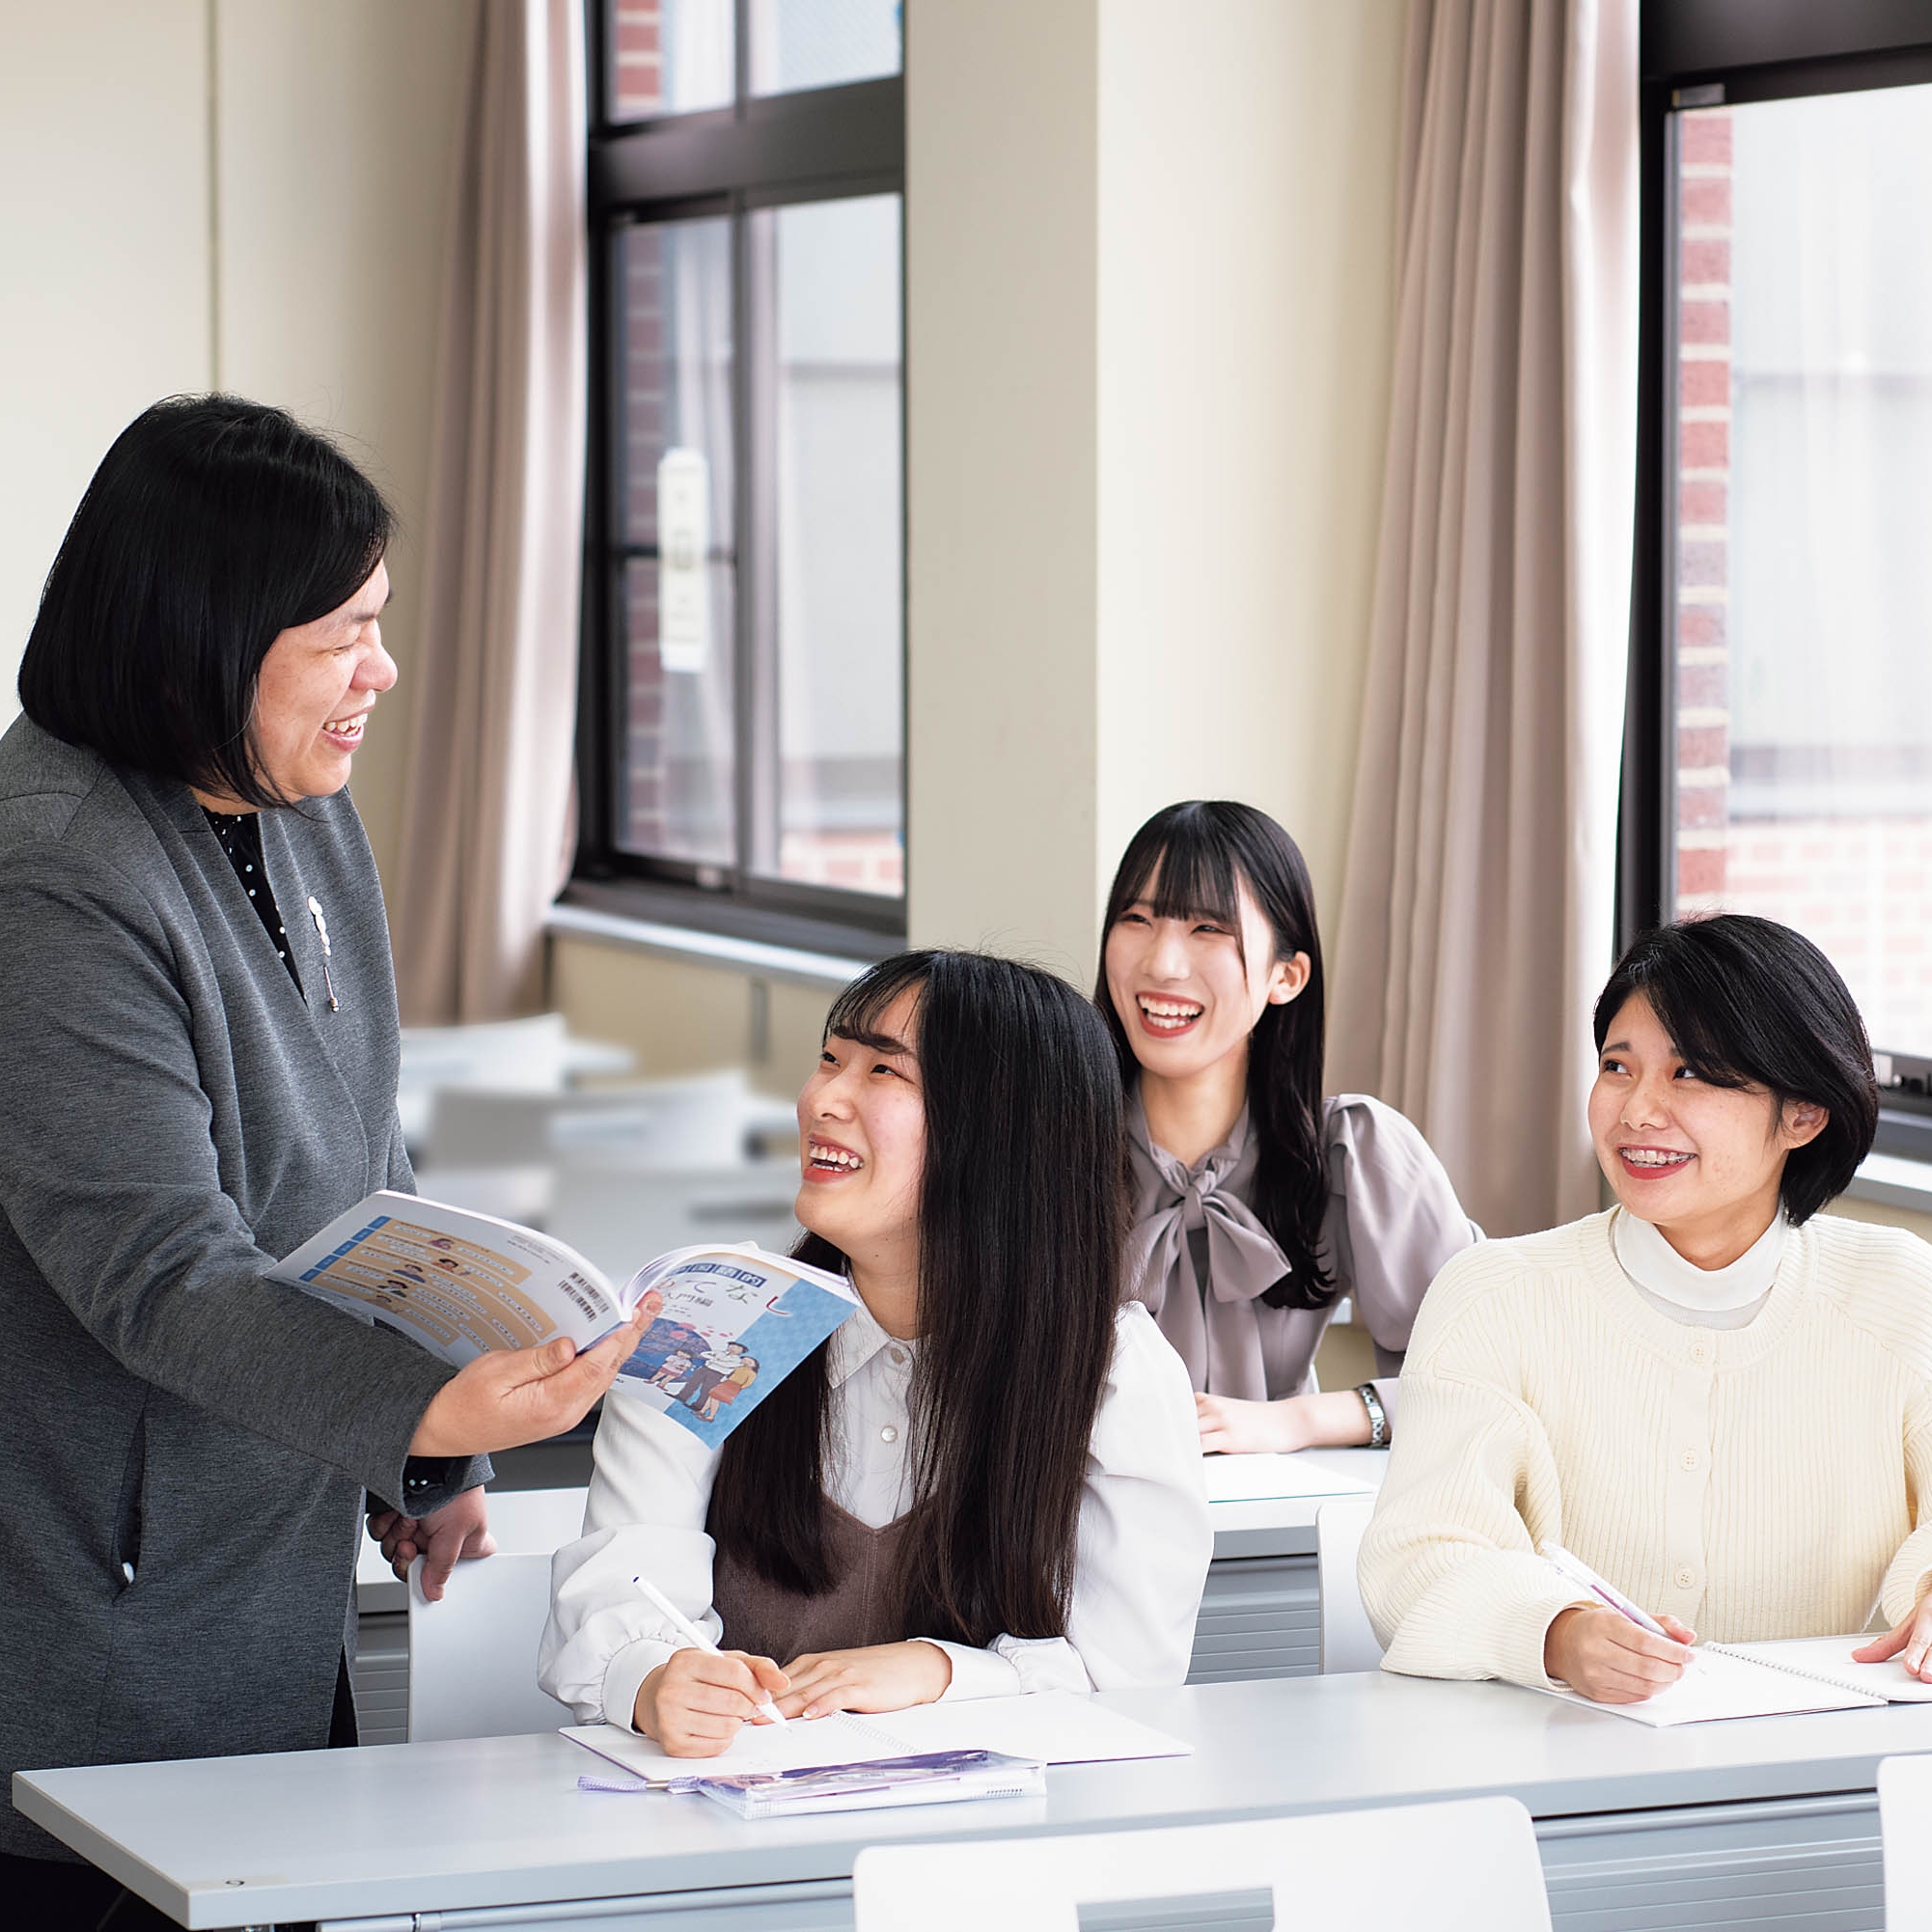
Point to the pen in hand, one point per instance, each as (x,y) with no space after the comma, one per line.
(691,1634)
(1580,1573)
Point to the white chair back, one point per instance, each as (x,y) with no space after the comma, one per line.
(536,1522)
(1348,1640)
(473,1655)
(1465,1866)
(1905,1830)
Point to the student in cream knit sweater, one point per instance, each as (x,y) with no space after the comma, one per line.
(1718,1401)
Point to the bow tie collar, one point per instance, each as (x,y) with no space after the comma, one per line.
(1172,1201)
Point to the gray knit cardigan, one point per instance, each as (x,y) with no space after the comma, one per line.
(174,1115)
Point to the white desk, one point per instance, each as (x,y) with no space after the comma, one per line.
(1769,1823)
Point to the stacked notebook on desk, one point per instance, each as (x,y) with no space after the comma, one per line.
(1764,1680)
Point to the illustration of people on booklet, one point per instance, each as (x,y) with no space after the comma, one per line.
(670,1373)
(716,1367)
(731,1386)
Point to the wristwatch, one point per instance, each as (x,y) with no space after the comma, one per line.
(1378,1415)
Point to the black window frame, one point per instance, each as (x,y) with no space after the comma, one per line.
(762,151)
(1707,53)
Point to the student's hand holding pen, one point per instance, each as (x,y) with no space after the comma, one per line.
(699,1700)
(1602,1655)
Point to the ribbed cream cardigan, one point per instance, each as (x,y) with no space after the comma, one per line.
(1756,1483)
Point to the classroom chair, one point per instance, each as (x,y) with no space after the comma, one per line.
(1470,1866)
(473,1656)
(536,1522)
(1347,1637)
(1905,1832)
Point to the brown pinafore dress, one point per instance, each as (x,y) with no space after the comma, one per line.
(783,1624)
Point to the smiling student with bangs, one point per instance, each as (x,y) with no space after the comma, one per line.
(1717,1398)
(1259,1202)
(986,1481)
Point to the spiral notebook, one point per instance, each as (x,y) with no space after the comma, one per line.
(1048,1727)
(1785,1678)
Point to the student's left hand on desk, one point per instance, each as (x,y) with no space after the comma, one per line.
(444,1537)
(1228,1427)
(880,1678)
(1913,1637)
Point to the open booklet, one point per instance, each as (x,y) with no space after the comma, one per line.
(1047,1727)
(729,1322)
(1774,1680)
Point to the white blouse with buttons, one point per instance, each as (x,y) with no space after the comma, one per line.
(1142,1548)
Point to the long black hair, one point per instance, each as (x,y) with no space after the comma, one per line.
(1022,1213)
(1197,856)
(1748,1003)
(212,526)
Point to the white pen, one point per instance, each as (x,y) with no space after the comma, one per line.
(1583,1577)
(691,1634)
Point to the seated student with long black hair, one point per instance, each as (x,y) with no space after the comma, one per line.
(987,1480)
(1258,1204)
(1717,1398)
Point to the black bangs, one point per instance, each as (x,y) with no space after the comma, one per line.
(857,1011)
(1705,1029)
(1188,859)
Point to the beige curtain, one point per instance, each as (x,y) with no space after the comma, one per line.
(1476,919)
(487,802)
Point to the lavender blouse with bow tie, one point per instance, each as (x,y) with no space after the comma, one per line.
(1201,1259)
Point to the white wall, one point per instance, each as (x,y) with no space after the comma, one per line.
(104,295)
(1150,297)
(340,126)
(295,256)
(1246,311)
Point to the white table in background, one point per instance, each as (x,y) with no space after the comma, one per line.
(1767,1824)
(1260,1611)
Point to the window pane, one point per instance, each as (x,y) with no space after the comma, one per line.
(1803,600)
(669,57)
(799,43)
(678,578)
(833,817)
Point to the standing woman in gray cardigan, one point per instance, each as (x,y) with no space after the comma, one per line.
(1259,1202)
(198,1069)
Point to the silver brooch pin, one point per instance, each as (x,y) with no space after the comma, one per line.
(323,934)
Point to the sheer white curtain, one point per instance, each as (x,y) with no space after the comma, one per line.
(486,804)
(1476,915)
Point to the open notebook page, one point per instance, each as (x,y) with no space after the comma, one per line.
(1831,1658)
(1052,1726)
(1721,1686)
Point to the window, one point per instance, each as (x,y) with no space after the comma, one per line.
(741,742)
(1780,753)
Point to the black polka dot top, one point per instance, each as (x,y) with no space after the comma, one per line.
(240,836)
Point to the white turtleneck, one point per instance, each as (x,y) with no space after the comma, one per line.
(1727,1297)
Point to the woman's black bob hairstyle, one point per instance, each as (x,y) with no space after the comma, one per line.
(1750,1003)
(212,525)
(1197,856)
(1022,1213)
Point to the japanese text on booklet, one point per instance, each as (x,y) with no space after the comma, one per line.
(728,1322)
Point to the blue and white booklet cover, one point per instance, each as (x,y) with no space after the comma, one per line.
(729,1323)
